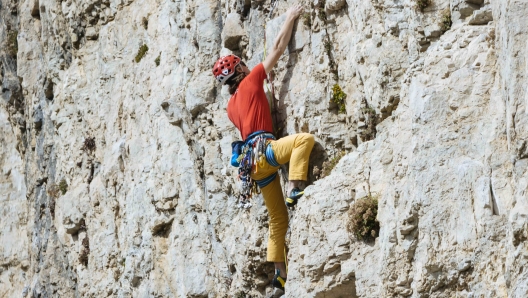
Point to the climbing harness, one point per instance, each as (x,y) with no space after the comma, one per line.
(247,155)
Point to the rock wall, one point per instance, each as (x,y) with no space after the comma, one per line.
(115,148)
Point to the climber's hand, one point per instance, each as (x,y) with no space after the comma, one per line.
(295,11)
(283,38)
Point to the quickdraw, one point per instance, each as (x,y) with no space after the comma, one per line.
(252,152)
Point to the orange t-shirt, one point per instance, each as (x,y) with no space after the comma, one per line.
(248,108)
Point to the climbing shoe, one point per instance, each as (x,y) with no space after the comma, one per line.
(278,281)
(295,194)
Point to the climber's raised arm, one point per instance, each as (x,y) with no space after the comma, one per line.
(282,40)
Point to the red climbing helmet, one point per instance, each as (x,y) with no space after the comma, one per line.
(224,67)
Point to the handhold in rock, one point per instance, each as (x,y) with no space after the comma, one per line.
(232,32)
(481,16)
(407,229)
(464,265)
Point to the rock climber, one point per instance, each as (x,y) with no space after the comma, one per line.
(260,155)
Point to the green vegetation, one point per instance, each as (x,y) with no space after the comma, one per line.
(363,224)
(322,13)
(307,19)
(338,97)
(369,110)
(63,186)
(158,60)
(446,22)
(141,52)
(12,43)
(422,4)
(331,62)
(329,165)
(328,47)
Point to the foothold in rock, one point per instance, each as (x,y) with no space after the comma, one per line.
(464,265)
(37,118)
(334,5)
(463,9)
(136,280)
(24,265)
(34,8)
(162,226)
(481,17)
(403,291)
(173,112)
(72,226)
(91,34)
(407,229)
(48,89)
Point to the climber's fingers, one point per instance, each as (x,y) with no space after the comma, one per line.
(295,11)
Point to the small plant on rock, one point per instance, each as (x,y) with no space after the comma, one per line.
(158,60)
(63,186)
(363,224)
(141,53)
(322,13)
(422,4)
(446,22)
(329,165)
(307,19)
(338,97)
(12,43)
(331,62)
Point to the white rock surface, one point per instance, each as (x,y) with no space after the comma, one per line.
(435,125)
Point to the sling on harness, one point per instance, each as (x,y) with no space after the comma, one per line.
(246,155)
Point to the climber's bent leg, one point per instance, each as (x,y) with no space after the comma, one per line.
(295,149)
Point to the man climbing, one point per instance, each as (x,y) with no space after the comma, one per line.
(260,154)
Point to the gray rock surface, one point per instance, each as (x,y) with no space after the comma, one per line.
(115,178)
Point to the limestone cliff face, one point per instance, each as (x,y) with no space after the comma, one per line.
(115,178)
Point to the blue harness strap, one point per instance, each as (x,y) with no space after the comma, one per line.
(270,156)
(264,182)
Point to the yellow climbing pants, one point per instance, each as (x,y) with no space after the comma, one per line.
(295,149)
